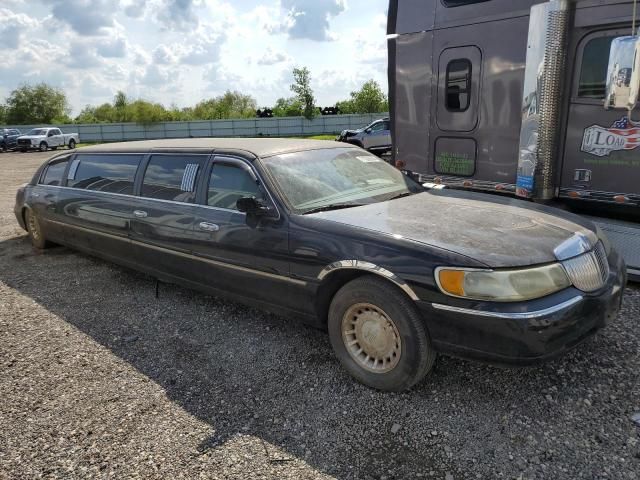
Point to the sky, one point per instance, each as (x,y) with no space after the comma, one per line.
(182,51)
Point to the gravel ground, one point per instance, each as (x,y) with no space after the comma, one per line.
(100,379)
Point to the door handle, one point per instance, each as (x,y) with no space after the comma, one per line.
(35,195)
(140,213)
(209,227)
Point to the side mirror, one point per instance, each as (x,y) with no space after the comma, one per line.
(623,75)
(253,207)
(50,134)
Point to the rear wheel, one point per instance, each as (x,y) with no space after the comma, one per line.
(72,144)
(379,336)
(43,146)
(36,236)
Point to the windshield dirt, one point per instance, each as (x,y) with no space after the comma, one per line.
(337,177)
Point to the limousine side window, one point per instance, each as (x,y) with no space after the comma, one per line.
(105,173)
(53,173)
(229,183)
(172,177)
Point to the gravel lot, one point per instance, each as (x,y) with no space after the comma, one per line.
(100,379)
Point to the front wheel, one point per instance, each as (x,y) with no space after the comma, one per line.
(72,144)
(3,147)
(378,335)
(43,146)
(36,236)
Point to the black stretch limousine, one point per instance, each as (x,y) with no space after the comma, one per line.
(332,235)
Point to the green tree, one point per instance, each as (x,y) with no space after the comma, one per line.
(304,93)
(39,103)
(287,107)
(120,105)
(3,114)
(369,99)
(144,112)
(346,107)
(232,104)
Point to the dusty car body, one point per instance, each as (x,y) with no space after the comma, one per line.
(44,139)
(394,272)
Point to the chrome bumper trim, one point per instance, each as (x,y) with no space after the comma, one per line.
(512,316)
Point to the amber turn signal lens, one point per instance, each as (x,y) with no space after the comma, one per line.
(452,282)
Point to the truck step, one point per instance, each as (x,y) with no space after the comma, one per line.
(625,237)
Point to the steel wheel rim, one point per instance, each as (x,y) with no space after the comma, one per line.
(371,338)
(34,229)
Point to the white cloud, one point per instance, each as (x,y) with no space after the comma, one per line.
(112,48)
(309,19)
(85,17)
(272,57)
(185,50)
(13,27)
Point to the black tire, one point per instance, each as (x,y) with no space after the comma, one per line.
(38,240)
(416,354)
(3,147)
(72,144)
(43,146)
(22,150)
(54,148)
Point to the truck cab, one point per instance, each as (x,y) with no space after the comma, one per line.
(512,97)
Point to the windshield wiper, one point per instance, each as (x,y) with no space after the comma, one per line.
(333,206)
(401,195)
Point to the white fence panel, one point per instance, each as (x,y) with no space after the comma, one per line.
(263,127)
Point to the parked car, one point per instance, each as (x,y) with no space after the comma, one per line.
(375,137)
(47,138)
(333,235)
(8,138)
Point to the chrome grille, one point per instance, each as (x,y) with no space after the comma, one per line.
(588,272)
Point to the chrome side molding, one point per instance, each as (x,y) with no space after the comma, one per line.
(368,267)
(515,315)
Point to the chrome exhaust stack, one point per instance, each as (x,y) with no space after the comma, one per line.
(544,74)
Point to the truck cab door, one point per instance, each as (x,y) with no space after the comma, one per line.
(601,158)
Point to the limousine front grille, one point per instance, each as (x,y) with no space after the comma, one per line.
(589,272)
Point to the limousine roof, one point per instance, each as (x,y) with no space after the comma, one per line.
(254,147)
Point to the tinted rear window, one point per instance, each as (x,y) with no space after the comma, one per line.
(53,173)
(105,173)
(172,177)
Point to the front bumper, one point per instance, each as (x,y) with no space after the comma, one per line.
(529,332)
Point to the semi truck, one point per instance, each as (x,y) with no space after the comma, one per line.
(529,98)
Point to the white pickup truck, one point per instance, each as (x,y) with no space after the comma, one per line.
(46,138)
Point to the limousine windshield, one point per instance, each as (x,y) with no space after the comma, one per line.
(320,179)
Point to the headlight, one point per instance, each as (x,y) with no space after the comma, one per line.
(502,285)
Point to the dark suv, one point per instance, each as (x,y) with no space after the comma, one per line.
(8,137)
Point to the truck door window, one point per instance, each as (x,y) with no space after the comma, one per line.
(595,62)
(458,85)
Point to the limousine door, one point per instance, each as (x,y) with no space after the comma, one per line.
(95,206)
(251,262)
(164,214)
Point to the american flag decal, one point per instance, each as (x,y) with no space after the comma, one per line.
(601,141)
(189,177)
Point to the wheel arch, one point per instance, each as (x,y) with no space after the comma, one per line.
(336,275)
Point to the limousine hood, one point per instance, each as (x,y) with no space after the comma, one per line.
(497,232)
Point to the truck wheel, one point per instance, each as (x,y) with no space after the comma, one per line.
(43,146)
(36,236)
(72,144)
(54,148)
(3,147)
(379,336)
